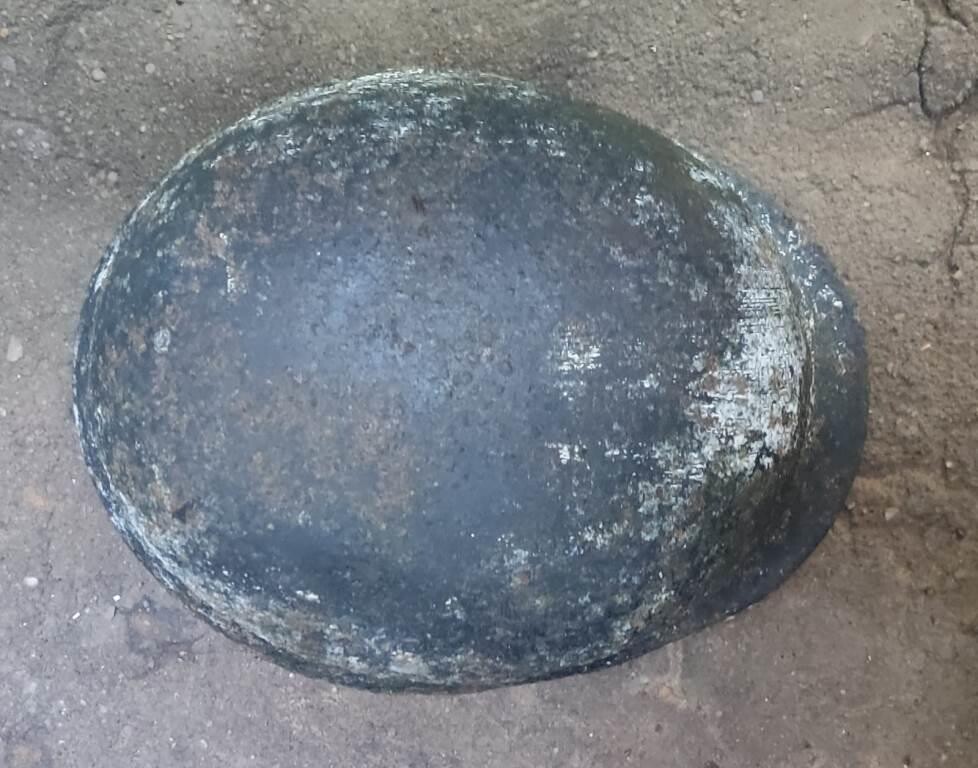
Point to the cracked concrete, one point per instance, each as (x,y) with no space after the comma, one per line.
(867,657)
(964,162)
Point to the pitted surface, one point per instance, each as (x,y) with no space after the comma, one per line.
(431,381)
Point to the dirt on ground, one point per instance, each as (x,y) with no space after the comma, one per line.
(860,117)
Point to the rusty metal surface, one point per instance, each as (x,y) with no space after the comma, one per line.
(431,381)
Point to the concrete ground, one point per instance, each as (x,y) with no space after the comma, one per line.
(858,116)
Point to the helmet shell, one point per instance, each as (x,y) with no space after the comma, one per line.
(433,381)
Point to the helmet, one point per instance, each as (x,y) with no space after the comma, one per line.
(432,381)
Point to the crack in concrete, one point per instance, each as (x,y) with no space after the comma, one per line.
(964,195)
(921,77)
(924,10)
(938,117)
(877,109)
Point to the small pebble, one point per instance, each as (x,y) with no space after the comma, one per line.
(15,349)
(31,581)
(8,64)
(4,33)
(112,177)
(143,127)
(891,514)
(150,68)
(757,96)
(98,74)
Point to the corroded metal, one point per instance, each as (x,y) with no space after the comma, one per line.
(431,381)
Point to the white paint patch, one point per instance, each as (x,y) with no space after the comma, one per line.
(647,208)
(651,381)
(287,143)
(554,148)
(575,354)
(410,664)
(106,267)
(516,559)
(702,171)
(744,406)
(161,340)
(827,295)
(702,174)
(567,452)
(454,608)
(598,537)
(749,407)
